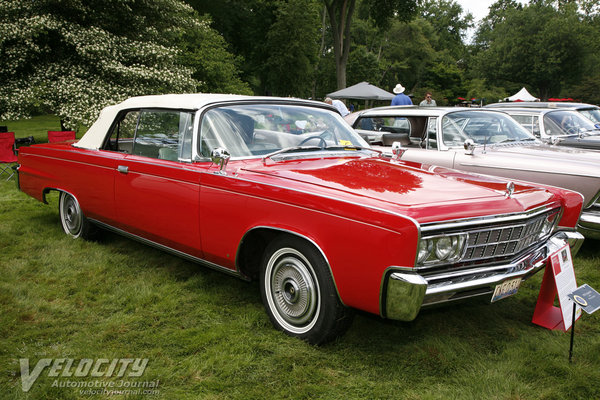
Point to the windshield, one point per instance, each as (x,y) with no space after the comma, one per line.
(562,122)
(482,127)
(593,114)
(250,130)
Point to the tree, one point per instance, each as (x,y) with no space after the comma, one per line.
(539,46)
(204,51)
(293,41)
(340,14)
(408,54)
(245,25)
(496,16)
(72,58)
(449,24)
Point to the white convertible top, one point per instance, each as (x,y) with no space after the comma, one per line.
(94,137)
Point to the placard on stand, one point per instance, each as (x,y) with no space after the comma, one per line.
(558,280)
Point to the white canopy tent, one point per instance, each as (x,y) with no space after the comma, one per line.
(522,95)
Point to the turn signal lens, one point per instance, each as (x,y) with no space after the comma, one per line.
(425,247)
(549,224)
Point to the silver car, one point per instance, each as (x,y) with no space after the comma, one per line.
(562,127)
(589,111)
(488,142)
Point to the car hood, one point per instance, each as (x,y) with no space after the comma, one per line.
(592,142)
(408,188)
(538,157)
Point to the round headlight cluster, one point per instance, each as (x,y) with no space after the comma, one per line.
(440,249)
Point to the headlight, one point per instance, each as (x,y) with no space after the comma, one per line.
(440,249)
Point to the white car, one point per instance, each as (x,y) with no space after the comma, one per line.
(488,142)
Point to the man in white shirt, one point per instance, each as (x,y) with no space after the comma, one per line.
(339,105)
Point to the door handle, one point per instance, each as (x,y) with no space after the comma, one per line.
(123,169)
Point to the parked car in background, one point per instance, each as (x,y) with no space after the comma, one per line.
(284,191)
(562,127)
(489,142)
(589,111)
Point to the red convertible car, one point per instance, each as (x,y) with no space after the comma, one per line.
(284,191)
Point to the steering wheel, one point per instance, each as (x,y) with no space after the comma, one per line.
(571,130)
(322,142)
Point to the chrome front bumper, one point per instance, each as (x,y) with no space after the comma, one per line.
(589,223)
(406,291)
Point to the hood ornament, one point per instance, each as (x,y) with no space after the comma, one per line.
(397,150)
(510,189)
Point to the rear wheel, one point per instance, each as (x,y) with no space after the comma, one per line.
(299,294)
(73,221)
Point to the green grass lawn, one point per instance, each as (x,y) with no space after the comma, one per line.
(37,127)
(207,336)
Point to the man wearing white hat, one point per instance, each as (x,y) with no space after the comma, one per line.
(401,99)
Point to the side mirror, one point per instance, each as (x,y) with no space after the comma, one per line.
(220,157)
(397,150)
(469,146)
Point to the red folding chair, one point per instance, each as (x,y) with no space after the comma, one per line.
(60,136)
(7,153)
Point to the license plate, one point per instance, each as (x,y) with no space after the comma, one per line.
(506,288)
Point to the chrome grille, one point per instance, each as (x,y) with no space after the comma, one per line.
(491,239)
(503,241)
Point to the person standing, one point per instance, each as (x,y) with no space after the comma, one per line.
(401,99)
(428,101)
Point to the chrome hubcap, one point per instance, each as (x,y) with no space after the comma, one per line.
(293,290)
(71,214)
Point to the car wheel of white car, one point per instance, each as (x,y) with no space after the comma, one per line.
(73,221)
(299,294)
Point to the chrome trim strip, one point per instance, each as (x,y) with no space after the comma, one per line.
(414,221)
(594,199)
(494,219)
(186,256)
(184,165)
(521,169)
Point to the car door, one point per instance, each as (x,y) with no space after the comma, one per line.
(431,150)
(157,185)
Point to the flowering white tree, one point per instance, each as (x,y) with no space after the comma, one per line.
(73,57)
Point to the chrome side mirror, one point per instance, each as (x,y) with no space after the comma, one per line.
(469,146)
(397,150)
(220,157)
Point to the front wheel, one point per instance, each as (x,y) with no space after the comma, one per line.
(74,223)
(299,294)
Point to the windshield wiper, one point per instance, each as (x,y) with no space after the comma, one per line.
(290,149)
(313,148)
(353,147)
